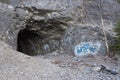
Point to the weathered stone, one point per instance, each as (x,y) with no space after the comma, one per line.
(58,24)
(97,69)
(64,12)
(8,25)
(80,33)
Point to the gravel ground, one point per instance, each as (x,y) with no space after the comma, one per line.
(54,66)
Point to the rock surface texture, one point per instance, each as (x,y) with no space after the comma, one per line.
(9,25)
(58,24)
(60,28)
(17,66)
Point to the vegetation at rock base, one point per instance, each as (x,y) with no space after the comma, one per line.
(115,47)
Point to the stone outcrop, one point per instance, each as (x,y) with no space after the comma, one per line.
(44,26)
(9,25)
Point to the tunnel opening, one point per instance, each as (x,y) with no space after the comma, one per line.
(40,37)
(28,42)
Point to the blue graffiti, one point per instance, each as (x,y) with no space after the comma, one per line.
(86,49)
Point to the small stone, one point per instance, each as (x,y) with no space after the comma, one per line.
(97,69)
(56,62)
(113,72)
(28,57)
(10,7)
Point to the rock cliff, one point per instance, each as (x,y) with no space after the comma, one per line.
(43,26)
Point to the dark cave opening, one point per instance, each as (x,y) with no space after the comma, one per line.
(27,42)
(40,38)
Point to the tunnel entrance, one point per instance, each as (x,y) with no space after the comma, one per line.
(28,42)
(40,37)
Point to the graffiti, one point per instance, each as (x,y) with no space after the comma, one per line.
(85,48)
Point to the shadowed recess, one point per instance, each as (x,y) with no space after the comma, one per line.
(27,42)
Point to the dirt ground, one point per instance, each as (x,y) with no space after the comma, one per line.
(55,66)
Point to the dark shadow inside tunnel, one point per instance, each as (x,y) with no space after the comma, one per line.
(27,42)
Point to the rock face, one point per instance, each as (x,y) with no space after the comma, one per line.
(48,25)
(8,25)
